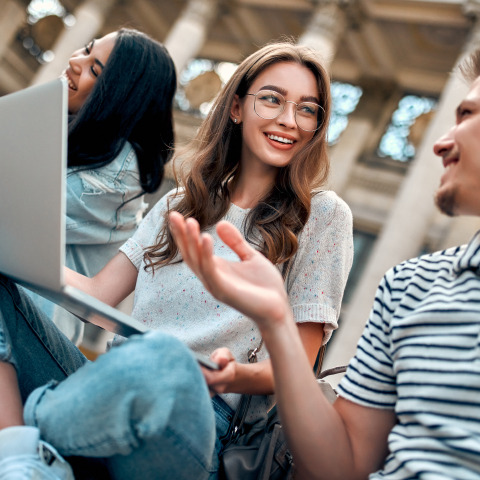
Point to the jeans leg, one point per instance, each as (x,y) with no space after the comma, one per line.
(29,341)
(144,405)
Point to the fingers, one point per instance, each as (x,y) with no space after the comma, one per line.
(186,234)
(193,240)
(234,239)
(222,356)
(178,229)
(196,248)
(191,243)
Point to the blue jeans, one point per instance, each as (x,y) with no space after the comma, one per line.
(144,406)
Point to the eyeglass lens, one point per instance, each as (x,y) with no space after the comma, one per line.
(270,104)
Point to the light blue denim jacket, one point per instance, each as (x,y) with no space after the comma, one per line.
(95,225)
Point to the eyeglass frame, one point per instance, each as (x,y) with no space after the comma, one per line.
(285,102)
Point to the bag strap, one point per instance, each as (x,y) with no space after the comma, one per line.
(238,420)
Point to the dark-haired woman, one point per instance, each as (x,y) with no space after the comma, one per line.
(120,92)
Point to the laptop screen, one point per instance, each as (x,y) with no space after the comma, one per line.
(33,151)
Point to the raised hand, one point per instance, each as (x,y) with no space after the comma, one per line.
(252,285)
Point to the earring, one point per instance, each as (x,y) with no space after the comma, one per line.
(235,120)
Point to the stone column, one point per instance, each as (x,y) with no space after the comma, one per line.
(187,36)
(324,30)
(405,229)
(13,16)
(353,140)
(323,34)
(90,16)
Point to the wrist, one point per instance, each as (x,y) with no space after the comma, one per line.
(277,326)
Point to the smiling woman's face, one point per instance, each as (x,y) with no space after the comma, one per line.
(84,67)
(273,143)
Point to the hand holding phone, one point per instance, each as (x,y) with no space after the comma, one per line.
(206,362)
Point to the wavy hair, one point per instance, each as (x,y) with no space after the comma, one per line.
(131,100)
(213,158)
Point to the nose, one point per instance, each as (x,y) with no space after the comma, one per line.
(287,117)
(75,63)
(444,144)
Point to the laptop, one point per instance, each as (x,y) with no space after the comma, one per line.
(33,161)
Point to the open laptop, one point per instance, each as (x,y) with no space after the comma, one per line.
(33,160)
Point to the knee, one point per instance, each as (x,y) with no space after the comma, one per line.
(157,362)
(160,379)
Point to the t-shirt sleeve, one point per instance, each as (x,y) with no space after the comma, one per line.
(370,379)
(147,232)
(320,268)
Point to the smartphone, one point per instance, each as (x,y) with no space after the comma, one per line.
(204,361)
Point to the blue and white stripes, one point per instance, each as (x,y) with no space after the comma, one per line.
(420,355)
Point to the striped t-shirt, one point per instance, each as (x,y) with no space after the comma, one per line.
(420,355)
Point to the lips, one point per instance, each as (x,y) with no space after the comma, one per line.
(280,139)
(448,163)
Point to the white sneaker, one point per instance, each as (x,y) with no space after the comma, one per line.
(23,456)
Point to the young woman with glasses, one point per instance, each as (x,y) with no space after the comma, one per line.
(259,160)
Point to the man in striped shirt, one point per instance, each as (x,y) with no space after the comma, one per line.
(409,405)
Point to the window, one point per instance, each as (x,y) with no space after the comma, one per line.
(395,143)
(345,98)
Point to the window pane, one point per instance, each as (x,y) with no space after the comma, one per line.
(345,98)
(394,143)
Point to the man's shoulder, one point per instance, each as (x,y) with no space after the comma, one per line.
(429,262)
(438,257)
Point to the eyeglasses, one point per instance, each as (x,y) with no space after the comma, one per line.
(269,104)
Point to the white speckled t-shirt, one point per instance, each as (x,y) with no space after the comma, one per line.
(175,301)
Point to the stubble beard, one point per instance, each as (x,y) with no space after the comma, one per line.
(445,199)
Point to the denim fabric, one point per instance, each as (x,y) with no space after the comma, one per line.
(144,406)
(28,339)
(93,201)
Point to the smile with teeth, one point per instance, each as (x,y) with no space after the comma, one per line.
(70,83)
(279,139)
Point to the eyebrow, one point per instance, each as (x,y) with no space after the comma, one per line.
(96,60)
(303,98)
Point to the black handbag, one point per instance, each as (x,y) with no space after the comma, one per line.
(259,451)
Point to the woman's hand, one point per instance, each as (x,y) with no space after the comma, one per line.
(253,285)
(233,377)
(221,381)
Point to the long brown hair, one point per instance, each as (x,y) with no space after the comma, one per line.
(214,156)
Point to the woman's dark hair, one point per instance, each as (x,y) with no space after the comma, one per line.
(131,100)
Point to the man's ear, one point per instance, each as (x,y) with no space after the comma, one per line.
(236,110)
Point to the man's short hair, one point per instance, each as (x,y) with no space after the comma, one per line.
(470,66)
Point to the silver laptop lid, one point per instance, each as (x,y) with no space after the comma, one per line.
(33,152)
